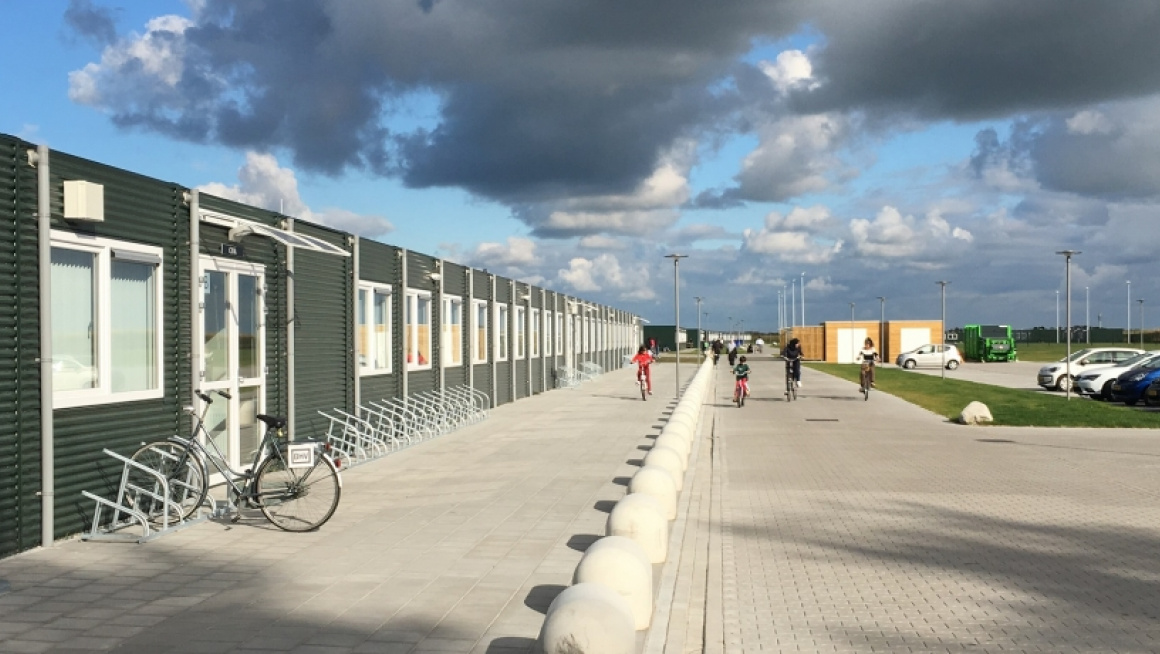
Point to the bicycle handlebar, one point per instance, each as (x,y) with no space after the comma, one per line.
(209,400)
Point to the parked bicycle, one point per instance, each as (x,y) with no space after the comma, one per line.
(296,485)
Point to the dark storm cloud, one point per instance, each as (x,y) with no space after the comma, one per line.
(535,99)
(91,22)
(980,59)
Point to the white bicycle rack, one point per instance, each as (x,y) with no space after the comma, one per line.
(139,485)
(568,377)
(378,428)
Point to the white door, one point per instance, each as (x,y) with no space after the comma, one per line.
(913,337)
(233,354)
(849,343)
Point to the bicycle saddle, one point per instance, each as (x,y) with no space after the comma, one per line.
(273,422)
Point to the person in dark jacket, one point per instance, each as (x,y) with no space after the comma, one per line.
(793,357)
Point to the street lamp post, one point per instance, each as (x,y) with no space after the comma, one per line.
(1057,317)
(943,284)
(792,304)
(1129,327)
(1141,301)
(882,326)
(677,314)
(803,299)
(1068,254)
(1087,314)
(699,338)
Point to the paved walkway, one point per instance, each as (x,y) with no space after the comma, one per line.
(828,524)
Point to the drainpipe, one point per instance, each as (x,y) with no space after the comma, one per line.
(291,321)
(442,318)
(492,335)
(198,322)
(44,252)
(472,334)
(403,322)
(355,249)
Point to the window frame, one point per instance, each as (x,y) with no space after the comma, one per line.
(411,336)
(560,321)
(375,288)
(502,328)
(534,333)
(521,335)
(103,249)
(478,356)
(450,345)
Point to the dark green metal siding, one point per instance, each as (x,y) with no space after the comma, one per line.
(482,372)
(418,267)
(140,210)
(455,283)
(19,352)
(382,264)
(323,337)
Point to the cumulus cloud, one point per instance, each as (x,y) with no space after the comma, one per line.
(796,155)
(606,274)
(516,252)
(895,236)
(796,237)
(96,24)
(790,70)
(262,182)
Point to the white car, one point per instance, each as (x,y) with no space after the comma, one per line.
(930,355)
(1084,361)
(1098,383)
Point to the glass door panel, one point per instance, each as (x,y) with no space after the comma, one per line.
(216,303)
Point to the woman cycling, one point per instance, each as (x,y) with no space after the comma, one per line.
(741,372)
(642,360)
(868,356)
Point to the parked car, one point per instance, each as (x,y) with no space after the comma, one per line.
(1129,387)
(1086,360)
(1152,393)
(1097,384)
(930,355)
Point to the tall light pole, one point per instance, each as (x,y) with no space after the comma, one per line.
(943,284)
(779,316)
(792,304)
(882,326)
(1129,329)
(1141,301)
(1068,254)
(1057,317)
(698,299)
(1087,314)
(803,299)
(677,313)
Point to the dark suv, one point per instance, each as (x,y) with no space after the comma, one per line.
(1129,387)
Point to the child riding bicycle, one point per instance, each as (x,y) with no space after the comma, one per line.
(868,356)
(741,372)
(642,360)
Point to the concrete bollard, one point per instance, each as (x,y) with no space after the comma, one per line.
(669,459)
(588,618)
(622,565)
(639,517)
(676,439)
(657,482)
(683,419)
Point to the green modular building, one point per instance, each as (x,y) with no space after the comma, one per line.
(124,294)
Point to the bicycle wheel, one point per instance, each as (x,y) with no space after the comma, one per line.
(643,390)
(184,474)
(298,499)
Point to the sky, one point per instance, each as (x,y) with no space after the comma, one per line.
(867,150)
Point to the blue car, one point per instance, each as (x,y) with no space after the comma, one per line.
(1129,387)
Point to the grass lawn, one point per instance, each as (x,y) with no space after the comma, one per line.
(1012,407)
(1053,352)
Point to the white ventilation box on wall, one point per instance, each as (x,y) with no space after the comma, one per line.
(84,200)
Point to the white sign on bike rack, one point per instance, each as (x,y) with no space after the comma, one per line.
(300,456)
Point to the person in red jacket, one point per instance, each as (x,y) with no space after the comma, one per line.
(642,360)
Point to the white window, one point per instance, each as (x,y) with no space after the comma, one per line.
(479,342)
(501,332)
(452,354)
(559,333)
(106,321)
(374,328)
(535,336)
(548,321)
(418,336)
(521,331)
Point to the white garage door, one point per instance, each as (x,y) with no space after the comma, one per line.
(914,337)
(849,342)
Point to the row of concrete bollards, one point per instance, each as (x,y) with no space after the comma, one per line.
(612,593)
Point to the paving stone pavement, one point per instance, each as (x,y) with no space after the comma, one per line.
(825,525)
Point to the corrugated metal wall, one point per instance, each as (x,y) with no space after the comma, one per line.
(419,266)
(455,283)
(324,366)
(19,352)
(139,210)
(504,370)
(481,373)
(382,263)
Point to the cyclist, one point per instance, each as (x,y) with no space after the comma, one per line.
(868,356)
(741,372)
(716,350)
(642,360)
(793,358)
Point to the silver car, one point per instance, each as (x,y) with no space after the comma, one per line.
(931,355)
(1086,360)
(1097,383)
